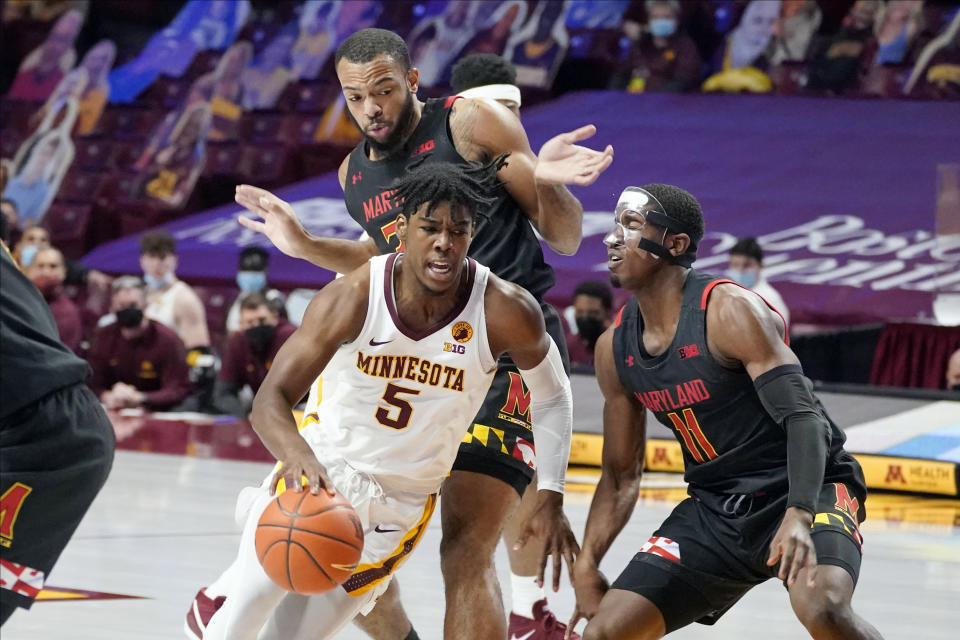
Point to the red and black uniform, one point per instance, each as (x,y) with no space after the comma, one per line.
(56,443)
(504,241)
(154,362)
(713,547)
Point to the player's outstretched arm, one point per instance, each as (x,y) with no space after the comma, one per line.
(517,328)
(624,444)
(743,330)
(537,183)
(276,219)
(334,317)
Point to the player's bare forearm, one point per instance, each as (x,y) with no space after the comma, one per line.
(559,218)
(272,419)
(337,254)
(613,503)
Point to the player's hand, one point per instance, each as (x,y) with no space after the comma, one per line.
(793,547)
(280,224)
(549,524)
(562,161)
(302,464)
(590,586)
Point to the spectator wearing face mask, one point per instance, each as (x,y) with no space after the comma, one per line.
(249,354)
(746,268)
(136,361)
(47,272)
(585,320)
(953,371)
(663,58)
(252,272)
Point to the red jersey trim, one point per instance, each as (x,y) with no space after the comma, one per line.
(619,319)
(450,101)
(709,288)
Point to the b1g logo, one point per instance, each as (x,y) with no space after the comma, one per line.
(10,503)
(454,348)
(462,332)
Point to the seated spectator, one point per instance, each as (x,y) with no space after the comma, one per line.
(953,371)
(249,354)
(585,320)
(136,361)
(838,65)
(47,272)
(743,60)
(746,268)
(46,65)
(170,301)
(794,30)
(36,182)
(663,59)
(11,218)
(252,278)
(33,239)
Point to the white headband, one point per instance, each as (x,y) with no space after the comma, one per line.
(494,92)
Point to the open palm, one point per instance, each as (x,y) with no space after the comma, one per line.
(562,161)
(279,223)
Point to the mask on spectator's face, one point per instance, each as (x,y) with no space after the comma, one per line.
(129,317)
(663,27)
(261,337)
(48,286)
(158,283)
(590,328)
(745,278)
(251,281)
(27,254)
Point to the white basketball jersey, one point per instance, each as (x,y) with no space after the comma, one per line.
(396,403)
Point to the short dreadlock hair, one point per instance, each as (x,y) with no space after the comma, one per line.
(367,44)
(481,69)
(472,187)
(679,205)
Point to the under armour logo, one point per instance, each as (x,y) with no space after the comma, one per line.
(629,361)
(357,177)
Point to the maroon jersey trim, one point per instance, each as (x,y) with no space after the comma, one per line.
(454,312)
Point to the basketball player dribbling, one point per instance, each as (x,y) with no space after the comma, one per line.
(485,486)
(772,491)
(408,351)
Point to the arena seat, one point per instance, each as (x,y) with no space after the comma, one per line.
(80,185)
(92,152)
(67,223)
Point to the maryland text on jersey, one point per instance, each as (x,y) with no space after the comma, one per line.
(412,368)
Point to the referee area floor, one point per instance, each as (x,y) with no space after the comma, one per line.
(163,526)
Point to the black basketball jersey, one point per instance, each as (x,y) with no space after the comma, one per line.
(730,443)
(504,240)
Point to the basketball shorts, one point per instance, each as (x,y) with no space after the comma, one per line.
(393,523)
(56,454)
(499,442)
(713,548)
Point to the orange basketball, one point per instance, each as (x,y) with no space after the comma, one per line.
(309,543)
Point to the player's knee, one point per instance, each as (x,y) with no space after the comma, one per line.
(827,615)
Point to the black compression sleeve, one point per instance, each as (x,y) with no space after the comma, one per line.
(788,397)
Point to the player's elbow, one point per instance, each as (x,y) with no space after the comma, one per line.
(565,246)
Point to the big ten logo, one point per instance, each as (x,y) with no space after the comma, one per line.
(423,148)
(10,504)
(895,474)
(454,348)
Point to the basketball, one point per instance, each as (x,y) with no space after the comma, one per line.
(309,543)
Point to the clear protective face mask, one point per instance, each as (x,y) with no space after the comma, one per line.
(634,202)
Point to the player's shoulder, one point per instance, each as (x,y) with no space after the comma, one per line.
(509,297)
(482,119)
(729,302)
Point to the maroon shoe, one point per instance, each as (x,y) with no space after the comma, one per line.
(542,626)
(201,610)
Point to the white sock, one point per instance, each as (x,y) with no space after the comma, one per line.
(523,593)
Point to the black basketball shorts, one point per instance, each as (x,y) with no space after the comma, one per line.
(499,442)
(56,454)
(703,558)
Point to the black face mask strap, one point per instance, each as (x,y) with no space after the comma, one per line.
(673,226)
